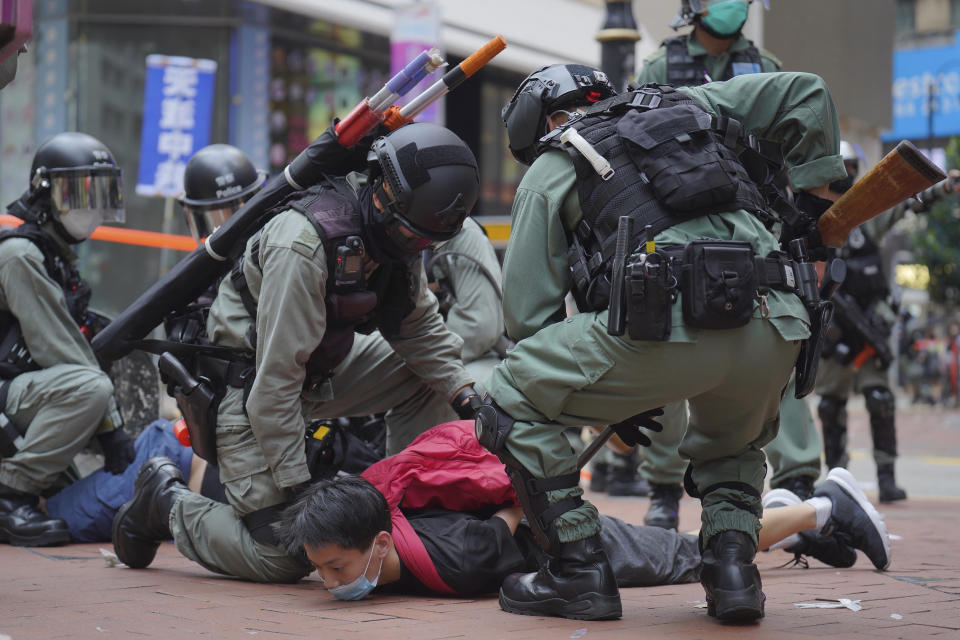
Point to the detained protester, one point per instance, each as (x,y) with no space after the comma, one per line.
(652,182)
(53,394)
(419,523)
(339,258)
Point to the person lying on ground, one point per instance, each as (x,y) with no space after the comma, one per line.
(417,523)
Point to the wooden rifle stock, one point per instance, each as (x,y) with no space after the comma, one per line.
(901,174)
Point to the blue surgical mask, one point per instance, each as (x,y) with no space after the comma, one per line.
(725,18)
(361,587)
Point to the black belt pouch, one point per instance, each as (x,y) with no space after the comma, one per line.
(719,284)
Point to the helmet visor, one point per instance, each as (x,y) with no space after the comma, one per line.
(88,188)
(204,220)
(404,239)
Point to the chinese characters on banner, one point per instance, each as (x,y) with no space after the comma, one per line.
(177,113)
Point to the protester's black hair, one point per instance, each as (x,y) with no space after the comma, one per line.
(347,511)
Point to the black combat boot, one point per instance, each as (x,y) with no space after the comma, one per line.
(576,582)
(887,484)
(143,523)
(833,417)
(832,550)
(623,478)
(801,486)
(730,578)
(23,524)
(599,475)
(664,511)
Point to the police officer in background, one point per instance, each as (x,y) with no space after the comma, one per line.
(645,155)
(53,393)
(465,276)
(852,359)
(339,258)
(714,50)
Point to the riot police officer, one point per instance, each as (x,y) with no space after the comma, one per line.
(856,356)
(714,50)
(640,156)
(340,257)
(53,393)
(217,180)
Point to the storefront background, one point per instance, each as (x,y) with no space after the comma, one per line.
(85,72)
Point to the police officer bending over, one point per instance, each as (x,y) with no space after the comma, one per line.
(53,393)
(342,257)
(706,295)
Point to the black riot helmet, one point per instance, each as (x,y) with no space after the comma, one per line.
(426,180)
(75,183)
(217,180)
(546,91)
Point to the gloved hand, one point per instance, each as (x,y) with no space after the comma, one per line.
(118,450)
(629,429)
(326,156)
(466,403)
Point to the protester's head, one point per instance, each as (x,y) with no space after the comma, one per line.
(217,180)
(424,181)
(343,526)
(74,183)
(549,97)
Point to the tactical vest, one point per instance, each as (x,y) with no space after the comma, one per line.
(672,161)
(14,356)
(380,302)
(865,280)
(684,70)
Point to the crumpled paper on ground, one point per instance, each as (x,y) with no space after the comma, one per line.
(839,603)
(110,558)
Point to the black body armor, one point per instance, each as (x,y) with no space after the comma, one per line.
(684,70)
(14,356)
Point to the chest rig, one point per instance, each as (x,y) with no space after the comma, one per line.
(354,302)
(684,70)
(669,161)
(865,280)
(14,356)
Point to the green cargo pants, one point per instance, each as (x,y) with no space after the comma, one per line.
(573,373)
(794,452)
(57,410)
(372,379)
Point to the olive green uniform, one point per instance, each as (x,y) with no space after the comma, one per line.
(573,372)
(477,314)
(59,407)
(261,450)
(796,449)
(654,67)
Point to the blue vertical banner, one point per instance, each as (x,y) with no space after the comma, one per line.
(177,113)
(926,92)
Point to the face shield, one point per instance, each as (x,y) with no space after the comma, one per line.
(204,219)
(83,198)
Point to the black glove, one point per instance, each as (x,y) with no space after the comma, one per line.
(326,155)
(629,429)
(118,450)
(466,403)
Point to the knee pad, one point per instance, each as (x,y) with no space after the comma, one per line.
(880,402)
(833,412)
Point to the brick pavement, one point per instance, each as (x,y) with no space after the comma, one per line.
(69,592)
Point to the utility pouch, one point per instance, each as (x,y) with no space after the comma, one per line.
(198,402)
(719,284)
(651,287)
(809,358)
(14,356)
(681,157)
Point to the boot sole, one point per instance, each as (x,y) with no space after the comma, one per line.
(848,483)
(45,539)
(592,606)
(742,605)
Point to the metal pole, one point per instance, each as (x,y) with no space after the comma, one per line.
(930,110)
(617,38)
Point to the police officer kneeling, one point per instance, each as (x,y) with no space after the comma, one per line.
(710,305)
(53,392)
(338,261)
